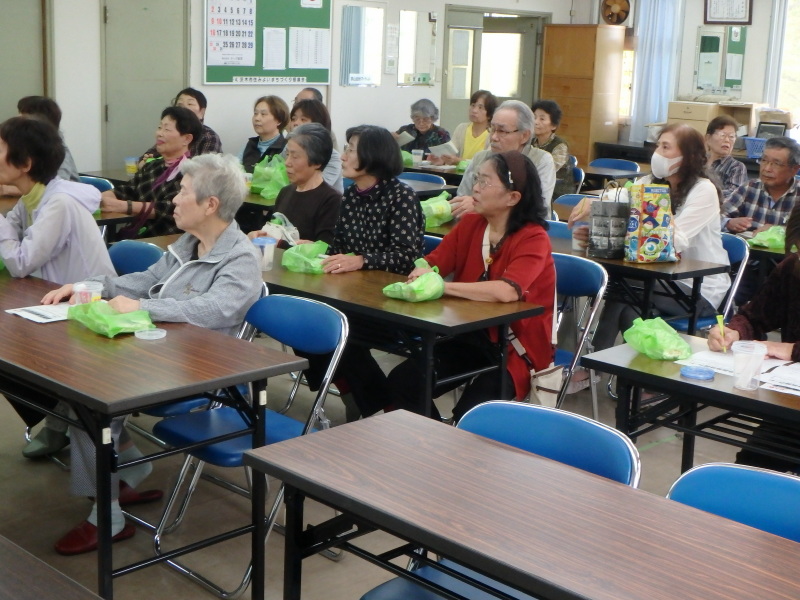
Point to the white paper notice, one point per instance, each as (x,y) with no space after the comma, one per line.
(309,48)
(274,49)
(231,33)
(733,66)
(442,149)
(42,313)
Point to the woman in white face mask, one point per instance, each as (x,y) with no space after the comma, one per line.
(679,161)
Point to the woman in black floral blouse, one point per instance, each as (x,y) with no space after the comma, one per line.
(380,222)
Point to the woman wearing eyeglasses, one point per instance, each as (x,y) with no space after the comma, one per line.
(499,253)
(728,172)
(424,115)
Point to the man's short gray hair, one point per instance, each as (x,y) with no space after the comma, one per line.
(524,114)
(424,108)
(217,175)
(781,142)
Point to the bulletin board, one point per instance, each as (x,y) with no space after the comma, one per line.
(734,56)
(263,42)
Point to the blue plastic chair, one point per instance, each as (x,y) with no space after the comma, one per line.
(306,325)
(430,243)
(131,256)
(615,163)
(556,434)
(429,177)
(738,255)
(760,498)
(101,184)
(572,199)
(578,175)
(347,182)
(578,277)
(558,230)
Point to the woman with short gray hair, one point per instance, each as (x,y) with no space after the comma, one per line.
(423,116)
(308,201)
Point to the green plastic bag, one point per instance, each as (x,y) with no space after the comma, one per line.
(656,339)
(462,166)
(436,210)
(269,177)
(102,319)
(428,286)
(305,258)
(408,159)
(774,237)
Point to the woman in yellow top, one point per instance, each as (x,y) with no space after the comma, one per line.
(470,138)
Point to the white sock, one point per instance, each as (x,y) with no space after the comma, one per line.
(133,476)
(117,518)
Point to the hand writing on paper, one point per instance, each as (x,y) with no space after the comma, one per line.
(716,341)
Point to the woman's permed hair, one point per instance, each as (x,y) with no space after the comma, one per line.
(316,142)
(217,175)
(186,122)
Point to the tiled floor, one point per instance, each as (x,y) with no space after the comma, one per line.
(37,509)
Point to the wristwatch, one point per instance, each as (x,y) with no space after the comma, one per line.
(130,207)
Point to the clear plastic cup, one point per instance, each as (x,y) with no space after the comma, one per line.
(131,165)
(266,247)
(576,243)
(87,291)
(417,156)
(748,357)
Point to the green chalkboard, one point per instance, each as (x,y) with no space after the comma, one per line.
(296,33)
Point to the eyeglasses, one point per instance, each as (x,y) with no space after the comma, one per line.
(422,119)
(771,163)
(720,135)
(348,149)
(483,182)
(493,129)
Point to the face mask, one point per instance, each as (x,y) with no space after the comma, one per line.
(662,166)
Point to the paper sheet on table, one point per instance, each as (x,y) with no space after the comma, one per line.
(404,138)
(786,376)
(42,313)
(722,362)
(442,149)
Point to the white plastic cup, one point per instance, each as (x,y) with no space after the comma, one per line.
(748,357)
(417,156)
(87,291)
(266,247)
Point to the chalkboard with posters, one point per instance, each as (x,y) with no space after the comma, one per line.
(262,42)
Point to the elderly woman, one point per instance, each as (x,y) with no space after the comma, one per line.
(308,201)
(208,141)
(423,114)
(546,119)
(209,277)
(314,111)
(270,117)
(50,232)
(729,173)
(500,253)
(149,194)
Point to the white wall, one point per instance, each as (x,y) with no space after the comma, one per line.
(754,70)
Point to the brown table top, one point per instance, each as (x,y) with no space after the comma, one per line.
(25,577)
(683,269)
(662,375)
(116,376)
(549,529)
(359,292)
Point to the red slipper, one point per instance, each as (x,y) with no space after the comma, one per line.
(83,538)
(128,496)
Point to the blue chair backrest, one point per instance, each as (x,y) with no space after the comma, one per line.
(558,229)
(131,256)
(101,184)
(577,276)
(307,325)
(572,160)
(571,199)
(429,177)
(578,175)
(430,243)
(615,163)
(763,499)
(347,182)
(559,435)
(735,246)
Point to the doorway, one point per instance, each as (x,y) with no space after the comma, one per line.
(146,58)
(500,52)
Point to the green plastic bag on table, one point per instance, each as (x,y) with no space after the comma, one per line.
(408,159)
(436,210)
(656,339)
(305,258)
(102,319)
(462,166)
(774,237)
(428,286)
(269,177)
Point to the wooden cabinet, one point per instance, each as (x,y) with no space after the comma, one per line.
(698,114)
(582,71)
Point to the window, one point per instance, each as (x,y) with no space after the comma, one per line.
(789,82)
(500,63)
(625,96)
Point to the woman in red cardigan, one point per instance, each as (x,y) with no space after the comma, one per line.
(501,253)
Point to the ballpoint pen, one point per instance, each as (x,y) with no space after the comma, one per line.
(722,332)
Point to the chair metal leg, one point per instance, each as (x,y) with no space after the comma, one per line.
(53,458)
(593,387)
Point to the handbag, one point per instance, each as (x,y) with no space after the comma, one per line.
(609,219)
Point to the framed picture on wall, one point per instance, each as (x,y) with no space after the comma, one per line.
(728,12)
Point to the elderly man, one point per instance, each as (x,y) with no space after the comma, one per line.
(511,129)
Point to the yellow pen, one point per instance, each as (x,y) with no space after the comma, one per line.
(722,332)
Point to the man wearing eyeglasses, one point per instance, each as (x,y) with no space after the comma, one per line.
(511,129)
